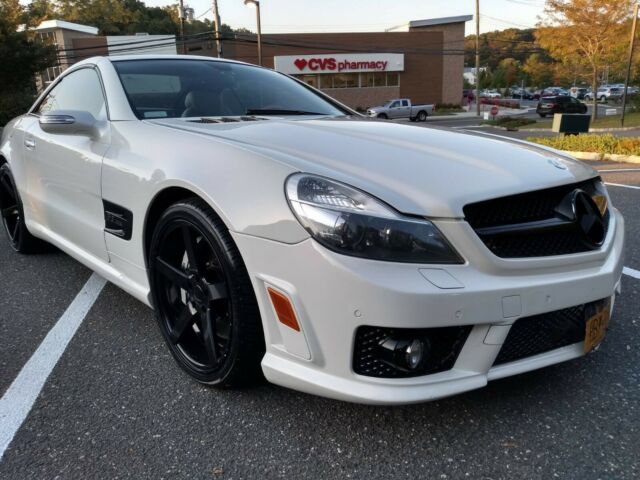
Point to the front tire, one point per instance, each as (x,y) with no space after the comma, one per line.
(205,304)
(542,115)
(383,116)
(12,213)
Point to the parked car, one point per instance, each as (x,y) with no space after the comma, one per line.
(401,108)
(557,91)
(578,92)
(605,94)
(490,94)
(560,104)
(538,94)
(276,232)
(522,94)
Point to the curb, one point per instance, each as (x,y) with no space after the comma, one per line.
(591,130)
(604,156)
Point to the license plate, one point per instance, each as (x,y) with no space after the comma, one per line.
(597,323)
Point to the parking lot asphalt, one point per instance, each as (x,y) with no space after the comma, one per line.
(116,406)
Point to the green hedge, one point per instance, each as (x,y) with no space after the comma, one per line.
(592,143)
(510,122)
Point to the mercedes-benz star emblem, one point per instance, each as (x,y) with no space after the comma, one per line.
(588,218)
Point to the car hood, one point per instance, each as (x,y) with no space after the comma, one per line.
(418,170)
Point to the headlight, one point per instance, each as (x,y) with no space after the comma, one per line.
(352,222)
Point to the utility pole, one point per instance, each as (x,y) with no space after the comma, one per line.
(629,61)
(181,18)
(256,4)
(216,28)
(478,57)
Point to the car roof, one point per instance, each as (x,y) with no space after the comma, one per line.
(123,58)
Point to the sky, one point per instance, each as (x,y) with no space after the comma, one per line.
(279,16)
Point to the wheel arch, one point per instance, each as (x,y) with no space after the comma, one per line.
(159,204)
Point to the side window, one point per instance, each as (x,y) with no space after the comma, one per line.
(405,103)
(395,104)
(80,90)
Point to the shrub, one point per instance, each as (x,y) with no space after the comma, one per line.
(501,102)
(593,143)
(510,122)
(447,107)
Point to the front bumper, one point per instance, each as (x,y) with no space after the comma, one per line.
(334,294)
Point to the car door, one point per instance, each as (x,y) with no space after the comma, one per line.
(394,109)
(64,181)
(405,109)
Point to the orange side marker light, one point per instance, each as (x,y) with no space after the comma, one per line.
(284,309)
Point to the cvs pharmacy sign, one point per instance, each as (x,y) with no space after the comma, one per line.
(333,63)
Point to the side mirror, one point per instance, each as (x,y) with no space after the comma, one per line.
(69,122)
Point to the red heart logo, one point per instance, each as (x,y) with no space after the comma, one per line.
(300,63)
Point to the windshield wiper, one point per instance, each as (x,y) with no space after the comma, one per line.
(274,111)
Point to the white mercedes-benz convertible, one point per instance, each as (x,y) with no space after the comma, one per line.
(276,232)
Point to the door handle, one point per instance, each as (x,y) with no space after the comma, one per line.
(30,143)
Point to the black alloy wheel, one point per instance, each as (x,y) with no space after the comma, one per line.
(12,215)
(422,116)
(205,303)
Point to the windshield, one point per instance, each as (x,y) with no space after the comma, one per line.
(169,88)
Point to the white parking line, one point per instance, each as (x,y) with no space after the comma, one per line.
(17,401)
(621,185)
(631,272)
(620,170)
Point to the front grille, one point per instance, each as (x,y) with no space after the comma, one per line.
(445,344)
(527,210)
(542,333)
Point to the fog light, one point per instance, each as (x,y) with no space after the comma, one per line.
(413,354)
(405,354)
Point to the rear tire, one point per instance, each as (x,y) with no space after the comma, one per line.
(204,300)
(422,116)
(12,213)
(542,115)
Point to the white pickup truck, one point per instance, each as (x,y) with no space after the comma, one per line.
(401,108)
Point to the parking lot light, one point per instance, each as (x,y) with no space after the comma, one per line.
(257,4)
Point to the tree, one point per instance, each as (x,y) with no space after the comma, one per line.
(585,32)
(25,56)
(540,73)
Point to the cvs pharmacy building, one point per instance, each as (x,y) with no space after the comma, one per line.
(422,60)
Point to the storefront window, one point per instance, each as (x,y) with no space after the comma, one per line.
(309,79)
(352,80)
(340,80)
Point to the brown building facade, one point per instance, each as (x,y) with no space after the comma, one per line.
(427,67)
(424,62)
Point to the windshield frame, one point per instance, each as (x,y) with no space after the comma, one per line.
(345,110)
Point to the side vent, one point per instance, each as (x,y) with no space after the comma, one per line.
(118,220)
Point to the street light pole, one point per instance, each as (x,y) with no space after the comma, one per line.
(257,5)
(181,18)
(478,57)
(629,61)
(216,27)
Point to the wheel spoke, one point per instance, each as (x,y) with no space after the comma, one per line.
(10,211)
(190,247)
(209,337)
(217,291)
(173,274)
(7,186)
(184,320)
(16,232)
